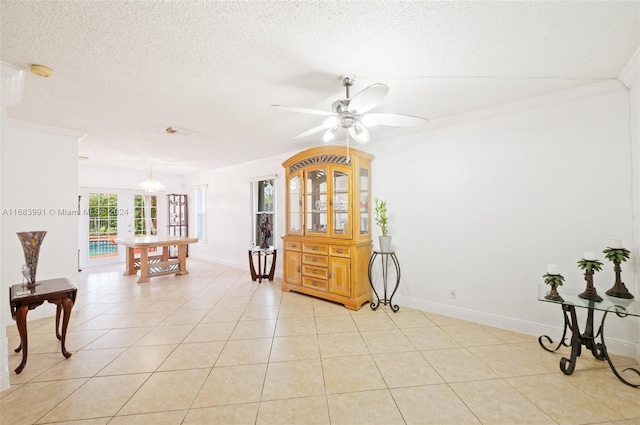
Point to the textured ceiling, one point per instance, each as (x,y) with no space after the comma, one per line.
(125,70)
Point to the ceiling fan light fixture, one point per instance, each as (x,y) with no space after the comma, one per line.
(360,133)
(351,113)
(330,134)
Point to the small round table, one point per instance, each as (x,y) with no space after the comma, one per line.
(384,259)
(261,273)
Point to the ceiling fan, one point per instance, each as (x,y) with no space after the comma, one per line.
(353,114)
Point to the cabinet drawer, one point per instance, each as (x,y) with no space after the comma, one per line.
(316,272)
(314,283)
(292,246)
(315,248)
(339,251)
(315,260)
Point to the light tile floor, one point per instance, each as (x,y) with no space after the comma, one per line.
(214,347)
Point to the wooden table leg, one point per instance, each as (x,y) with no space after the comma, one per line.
(273,265)
(260,269)
(131,267)
(252,267)
(182,259)
(67,305)
(144,265)
(21,322)
(58,312)
(165,253)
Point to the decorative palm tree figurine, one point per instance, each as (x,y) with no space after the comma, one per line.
(554,280)
(618,255)
(590,264)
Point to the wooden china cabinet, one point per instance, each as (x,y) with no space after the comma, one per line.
(327,244)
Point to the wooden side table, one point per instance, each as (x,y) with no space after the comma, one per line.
(261,273)
(22,298)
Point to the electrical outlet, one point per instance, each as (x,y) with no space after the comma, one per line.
(452,293)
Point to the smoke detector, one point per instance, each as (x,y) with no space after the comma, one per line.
(41,71)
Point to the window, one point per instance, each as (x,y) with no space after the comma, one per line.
(103,225)
(263,211)
(146,215)
(200,212)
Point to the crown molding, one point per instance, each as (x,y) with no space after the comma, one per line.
(13,82)
(47,129)
(631,72)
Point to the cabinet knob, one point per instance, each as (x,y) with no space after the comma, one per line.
(339,251)
(315,248)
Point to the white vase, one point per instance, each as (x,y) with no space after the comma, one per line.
(385,243)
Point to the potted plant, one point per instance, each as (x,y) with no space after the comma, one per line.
(382,220)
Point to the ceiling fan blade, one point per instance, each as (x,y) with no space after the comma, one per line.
(368,98)
(397,120)
(304,110)
(314,130)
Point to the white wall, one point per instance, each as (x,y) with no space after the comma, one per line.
(228,222)
(482,204)
(12,87)
(634,115)
(39,172)
(111,178)
(631,77)
(42,172)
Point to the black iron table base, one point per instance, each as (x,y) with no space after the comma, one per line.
(588,339)
(384,258)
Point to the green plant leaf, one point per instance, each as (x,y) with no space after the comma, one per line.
(381,215)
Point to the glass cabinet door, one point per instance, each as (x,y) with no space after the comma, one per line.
(295,203)
(316,186)
(364,200)
(340,202)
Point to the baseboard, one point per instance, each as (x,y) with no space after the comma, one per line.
(226,262)
(216,260)
(5,382)
(614,345)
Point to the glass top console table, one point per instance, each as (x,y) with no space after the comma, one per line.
(570,301)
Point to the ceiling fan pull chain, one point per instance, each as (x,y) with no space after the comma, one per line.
(348,157)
